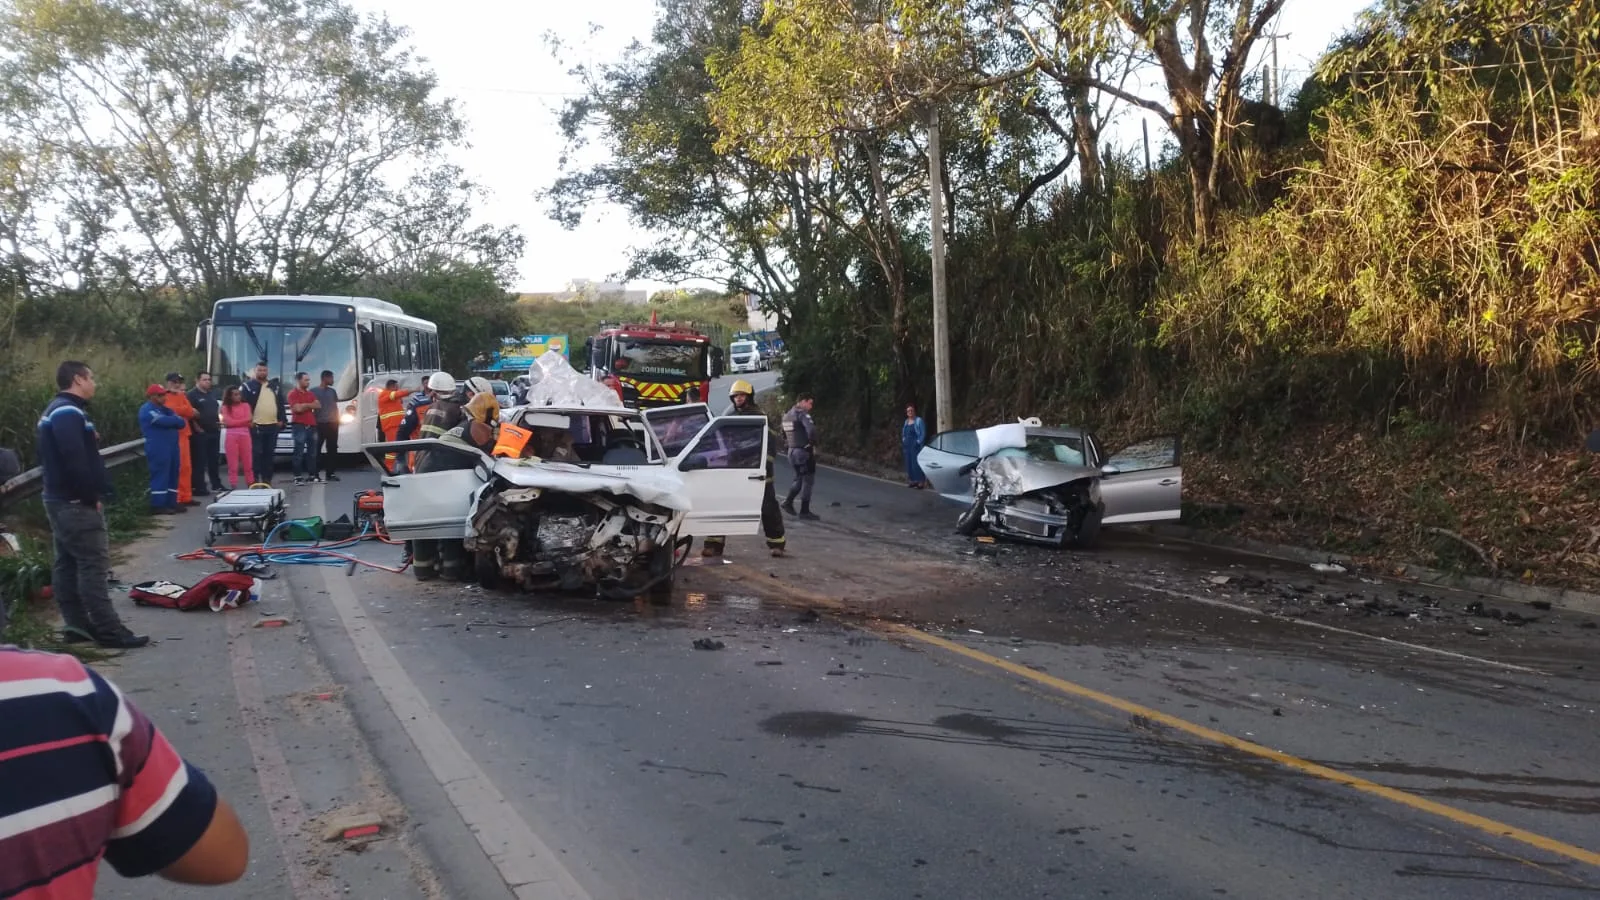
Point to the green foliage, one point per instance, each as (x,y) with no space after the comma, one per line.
(156,155)
(121,375)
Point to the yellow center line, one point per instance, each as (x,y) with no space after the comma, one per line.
(1304,766)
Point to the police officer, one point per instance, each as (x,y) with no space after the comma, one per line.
(801,432)
(742,395)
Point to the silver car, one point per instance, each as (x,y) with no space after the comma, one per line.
(1058,488)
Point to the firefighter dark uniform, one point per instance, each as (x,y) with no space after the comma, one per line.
(771,516)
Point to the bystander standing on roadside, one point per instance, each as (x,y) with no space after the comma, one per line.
(268,414)
(85,776)
(236,419)
(163,441)
(303,424)
(178,404)
(205,445)
(327,428)
(913,433)
(801,432)
(75,484)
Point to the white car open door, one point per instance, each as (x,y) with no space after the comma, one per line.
(428,505)
(724,471)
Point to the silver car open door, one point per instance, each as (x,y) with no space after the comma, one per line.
(428,505)
(1143,483)
(942,460)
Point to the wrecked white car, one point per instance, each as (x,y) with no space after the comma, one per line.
(587,494)
(1052,486)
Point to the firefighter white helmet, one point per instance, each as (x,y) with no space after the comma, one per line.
(441,382)
(479,385)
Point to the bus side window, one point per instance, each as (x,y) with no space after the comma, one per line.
(386,349)
(377,363)
(433,350)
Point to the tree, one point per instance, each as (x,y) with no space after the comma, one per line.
(724,216)
(1204,96)
(217,146)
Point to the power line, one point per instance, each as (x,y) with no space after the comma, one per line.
(519,91)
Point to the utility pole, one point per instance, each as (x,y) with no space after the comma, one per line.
(944,417)
(1275,75)
(1144,125)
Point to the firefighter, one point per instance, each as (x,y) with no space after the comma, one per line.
(437,385)
(432,558)
(178,404)
(742,395)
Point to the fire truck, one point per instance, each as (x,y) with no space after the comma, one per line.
(654,364)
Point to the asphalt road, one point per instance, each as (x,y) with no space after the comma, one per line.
(897,712)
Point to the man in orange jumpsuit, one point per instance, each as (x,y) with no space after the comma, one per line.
(178,404)
(391,409)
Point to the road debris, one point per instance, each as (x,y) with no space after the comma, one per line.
(1328,568)
(708,644)
(354,826)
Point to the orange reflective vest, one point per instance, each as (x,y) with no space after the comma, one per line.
(512,441)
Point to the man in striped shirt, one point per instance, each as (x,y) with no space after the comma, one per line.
(84,775)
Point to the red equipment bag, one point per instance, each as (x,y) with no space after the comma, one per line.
(219,591)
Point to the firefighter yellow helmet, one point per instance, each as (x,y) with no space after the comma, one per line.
(741,387)
(483,407)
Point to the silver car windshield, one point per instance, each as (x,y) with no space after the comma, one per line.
(1051,448)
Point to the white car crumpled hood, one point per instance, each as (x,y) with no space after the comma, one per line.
(1013,476)
(649,484)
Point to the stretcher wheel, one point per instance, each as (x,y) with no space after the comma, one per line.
(211,538)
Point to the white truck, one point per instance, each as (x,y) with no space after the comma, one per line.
(745,356)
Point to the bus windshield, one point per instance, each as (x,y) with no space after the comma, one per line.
(659,361)
(287,349)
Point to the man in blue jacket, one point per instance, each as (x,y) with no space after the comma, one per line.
(161,428)
(74,483)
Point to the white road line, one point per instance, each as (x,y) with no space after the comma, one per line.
(1239,607)
(530,868)
(272,769)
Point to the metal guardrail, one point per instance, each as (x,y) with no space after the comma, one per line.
(31,482)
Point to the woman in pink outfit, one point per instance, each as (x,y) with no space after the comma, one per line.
(236,424)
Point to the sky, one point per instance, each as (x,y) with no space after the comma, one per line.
(492,56)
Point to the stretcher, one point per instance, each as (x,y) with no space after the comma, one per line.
(253,511)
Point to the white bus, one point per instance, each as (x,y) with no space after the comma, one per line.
(363,341)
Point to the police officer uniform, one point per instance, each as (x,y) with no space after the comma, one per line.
(801,432)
